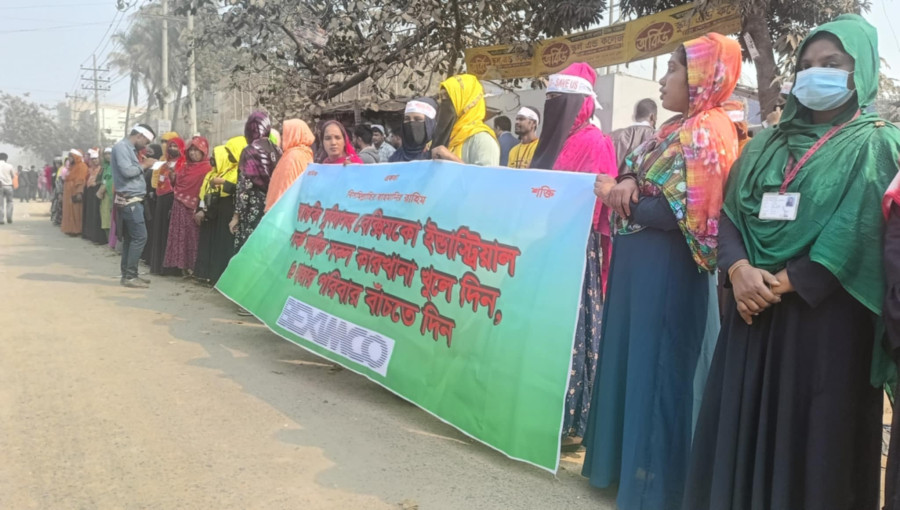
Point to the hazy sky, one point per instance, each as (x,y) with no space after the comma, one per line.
(43,43)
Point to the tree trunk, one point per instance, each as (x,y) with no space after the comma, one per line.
(766,70)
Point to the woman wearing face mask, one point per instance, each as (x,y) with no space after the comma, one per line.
(891,210)
(460,133)
(165,178)
(572,143)
(335,147)
(791,418)
(417,130)
(661,315)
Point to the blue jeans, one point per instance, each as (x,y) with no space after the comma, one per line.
(134,235)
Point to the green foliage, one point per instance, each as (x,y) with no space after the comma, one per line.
(33,126)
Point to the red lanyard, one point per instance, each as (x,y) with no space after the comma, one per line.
(792,169)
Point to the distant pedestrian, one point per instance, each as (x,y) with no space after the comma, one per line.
(362,137)
(73,194)
(7,176)
(503,126)
(627,139)
(379,139)
(527,121)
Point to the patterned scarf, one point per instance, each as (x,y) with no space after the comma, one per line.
(261,155)
(689,158)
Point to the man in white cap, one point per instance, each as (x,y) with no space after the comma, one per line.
(385,150)
(130,186)
(527,121)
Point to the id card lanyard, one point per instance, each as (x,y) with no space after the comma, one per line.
(792,169)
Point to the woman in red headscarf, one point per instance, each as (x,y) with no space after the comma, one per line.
(165,199)
(571,141)
(335,146)
(661,316)
(184,233)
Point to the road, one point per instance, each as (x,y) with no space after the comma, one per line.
(164,398)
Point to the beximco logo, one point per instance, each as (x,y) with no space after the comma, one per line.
(654,37)
(555,55)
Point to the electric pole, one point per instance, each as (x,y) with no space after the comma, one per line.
(73,114)
(165,59)
(192,72)
(96,84)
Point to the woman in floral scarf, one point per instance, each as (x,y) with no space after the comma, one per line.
(661,315)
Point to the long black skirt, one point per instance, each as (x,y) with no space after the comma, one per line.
(789,420)
(91,229)
(160,234)
(216,243)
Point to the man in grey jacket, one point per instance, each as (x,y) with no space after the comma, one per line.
(128,178)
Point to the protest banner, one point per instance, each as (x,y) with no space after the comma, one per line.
(621,43)
(454,286)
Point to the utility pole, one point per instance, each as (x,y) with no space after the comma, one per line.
(192,72)
(73,114)
(97,85)
(165,59)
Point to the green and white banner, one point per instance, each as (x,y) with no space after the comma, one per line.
(456,287)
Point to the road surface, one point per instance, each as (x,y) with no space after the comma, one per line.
(164,398)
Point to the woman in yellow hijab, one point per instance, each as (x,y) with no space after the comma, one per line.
(461,134)
(216,208)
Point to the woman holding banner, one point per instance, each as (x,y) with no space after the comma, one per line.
(570,141)
(661,315)
(791,417)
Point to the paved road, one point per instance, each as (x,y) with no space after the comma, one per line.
(120,398)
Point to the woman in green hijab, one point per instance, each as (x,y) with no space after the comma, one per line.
(791,416)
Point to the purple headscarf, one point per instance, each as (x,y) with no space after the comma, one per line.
(260,157)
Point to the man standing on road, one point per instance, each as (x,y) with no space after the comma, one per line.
(7,175)
(32,184)
(130,186)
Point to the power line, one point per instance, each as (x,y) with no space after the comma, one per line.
(102,38)
(49,6)
(44,29)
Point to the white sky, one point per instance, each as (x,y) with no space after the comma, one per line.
(43,43)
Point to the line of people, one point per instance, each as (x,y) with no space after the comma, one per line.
(774,402)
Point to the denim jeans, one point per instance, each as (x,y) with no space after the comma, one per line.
(135,237)
(6,204)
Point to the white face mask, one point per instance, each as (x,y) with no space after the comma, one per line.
(822,88)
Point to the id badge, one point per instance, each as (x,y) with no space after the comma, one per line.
(779,206)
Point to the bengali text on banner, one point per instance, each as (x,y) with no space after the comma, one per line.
(454,286)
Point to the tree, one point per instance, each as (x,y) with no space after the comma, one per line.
(305,53)
(776,27)
(32,126)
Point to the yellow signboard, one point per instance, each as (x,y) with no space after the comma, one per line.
(617,44)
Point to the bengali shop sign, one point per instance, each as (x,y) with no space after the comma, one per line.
(454,286)
(638,39)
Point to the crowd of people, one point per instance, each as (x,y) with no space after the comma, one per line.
(770,401)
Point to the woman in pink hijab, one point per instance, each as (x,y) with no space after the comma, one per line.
(571,141)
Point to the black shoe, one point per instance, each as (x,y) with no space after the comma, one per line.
(144,280)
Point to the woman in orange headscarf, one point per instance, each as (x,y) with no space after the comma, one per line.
(296,142)
(661,314)
(73,194)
